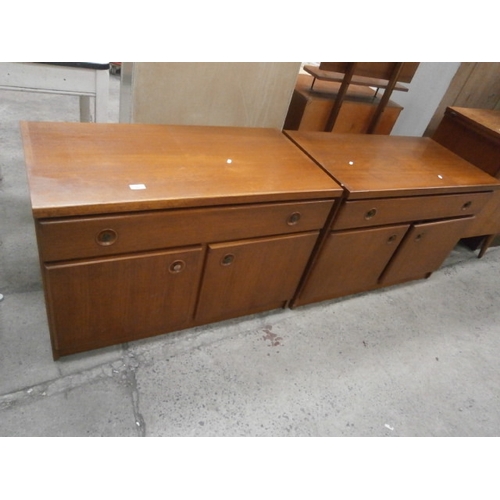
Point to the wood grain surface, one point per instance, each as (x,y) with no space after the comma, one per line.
(86,168)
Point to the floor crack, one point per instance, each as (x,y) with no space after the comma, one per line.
(131,365)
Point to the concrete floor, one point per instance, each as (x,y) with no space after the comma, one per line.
(419,359)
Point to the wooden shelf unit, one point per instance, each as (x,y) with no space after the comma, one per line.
(386,75)
(309,109)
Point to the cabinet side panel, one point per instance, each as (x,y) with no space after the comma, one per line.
(469,144)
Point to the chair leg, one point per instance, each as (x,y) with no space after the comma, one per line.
(337,104)
(486,244)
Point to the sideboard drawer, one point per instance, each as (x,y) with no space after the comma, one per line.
(74,238)
(377,212)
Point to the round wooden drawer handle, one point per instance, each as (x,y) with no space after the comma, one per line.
(392,239)
(370,214)
(466,205)
(106,237)
(293,218)
(227,260)
(177,266)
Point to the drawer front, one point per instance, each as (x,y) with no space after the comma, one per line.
(67,239)
(488,221)
(365,213)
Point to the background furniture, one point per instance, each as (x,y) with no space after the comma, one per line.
(384,75)
(474,134)
(475,85)
(407,202)
(310,108)
(237,94)
(88,80)
(146,229)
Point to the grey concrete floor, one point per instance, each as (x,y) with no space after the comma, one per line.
(419,359)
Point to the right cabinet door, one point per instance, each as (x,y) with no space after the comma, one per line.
(424,249)
(243,277)
(351,262)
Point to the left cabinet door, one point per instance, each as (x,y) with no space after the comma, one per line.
(100,302)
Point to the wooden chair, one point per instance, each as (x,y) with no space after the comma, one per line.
(386,75)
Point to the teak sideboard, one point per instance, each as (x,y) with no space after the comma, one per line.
(407,202)
(147,229)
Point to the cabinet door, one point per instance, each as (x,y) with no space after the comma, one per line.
(247,276)
(100,302)
(424,249)
(351,262)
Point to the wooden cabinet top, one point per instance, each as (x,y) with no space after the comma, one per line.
(90,168)
(484,121)
(370,166)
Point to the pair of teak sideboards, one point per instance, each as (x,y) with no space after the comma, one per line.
(148,229)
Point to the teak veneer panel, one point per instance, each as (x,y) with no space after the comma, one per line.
(424,249)
(309,109)
(72,238)
(473,134)
(487,121)
(80,169)
(351,262)
(389,180)
(101,302)
(358,213)
(119,264)
(374,70)
(246,281)
(372,166)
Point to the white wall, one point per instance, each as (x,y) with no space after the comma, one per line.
(426,90)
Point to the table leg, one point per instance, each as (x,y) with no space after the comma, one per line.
(486,244)
(101,95)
